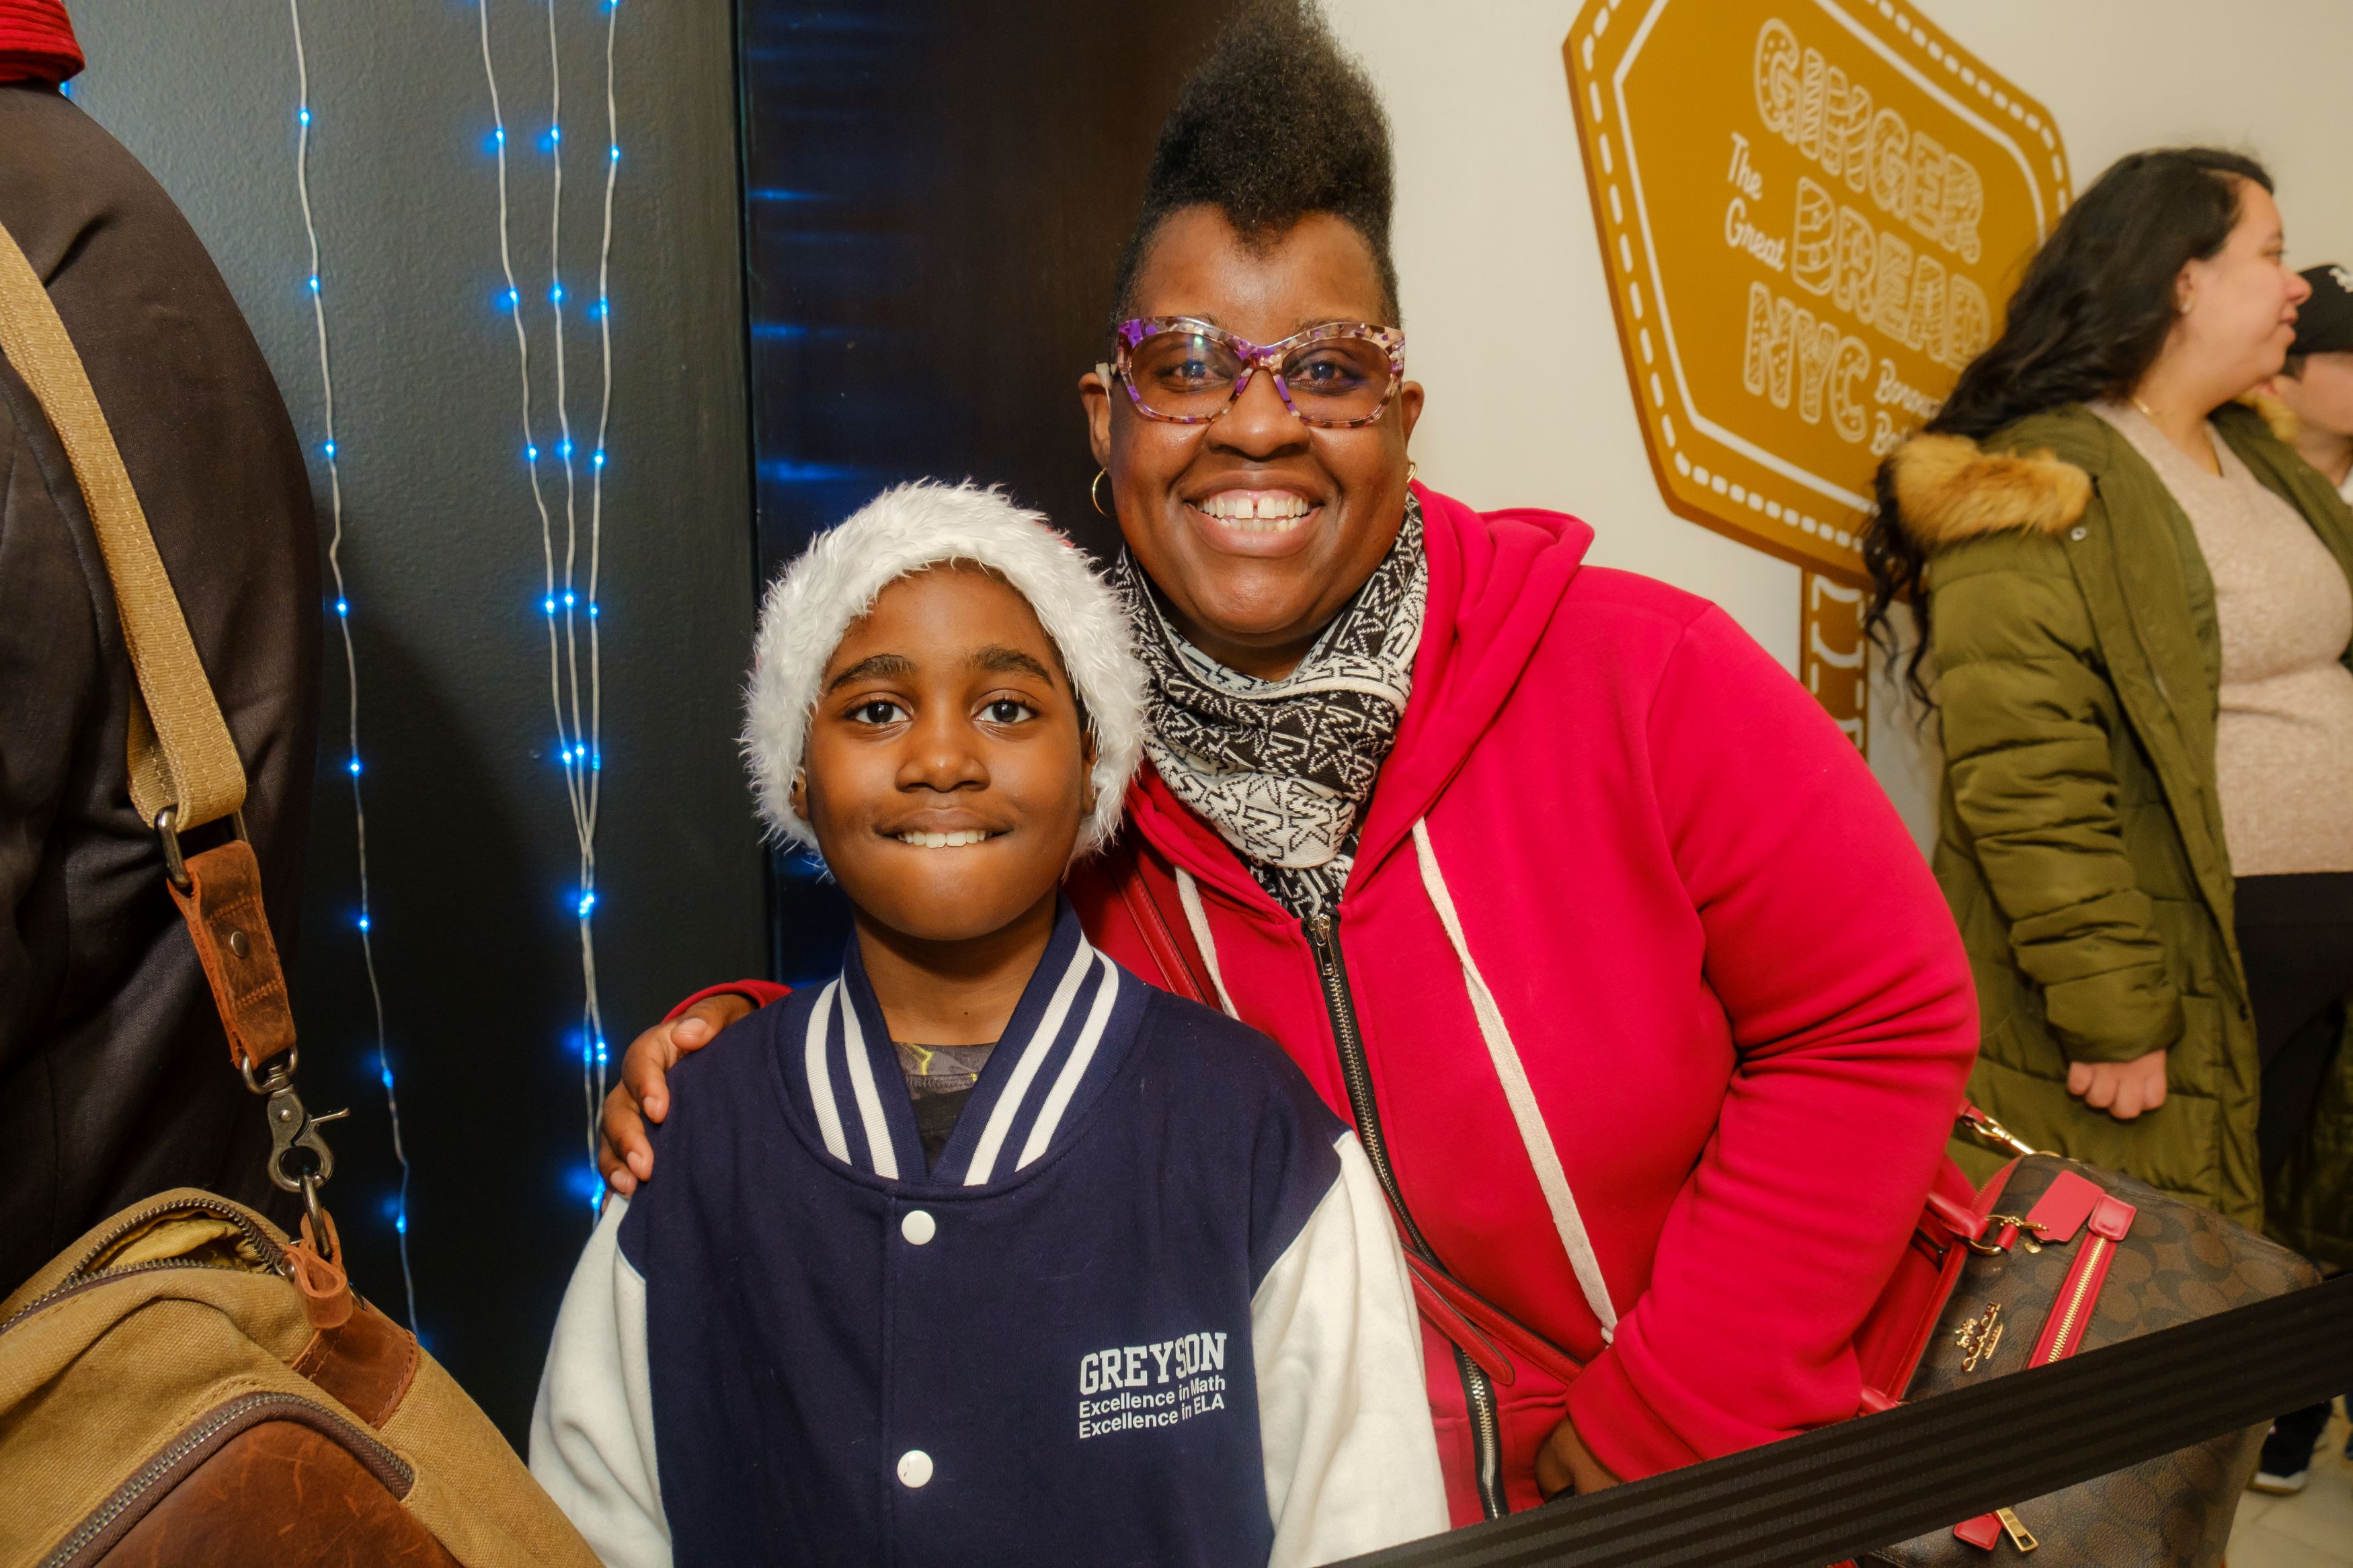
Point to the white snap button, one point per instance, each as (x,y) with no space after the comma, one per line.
(914,1468)
(918,1227)
(2078,534)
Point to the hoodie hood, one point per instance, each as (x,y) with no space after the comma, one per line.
(1496,579)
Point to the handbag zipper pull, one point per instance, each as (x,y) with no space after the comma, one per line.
(2020,1536)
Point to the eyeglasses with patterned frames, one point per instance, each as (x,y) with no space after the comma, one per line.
(1337,377)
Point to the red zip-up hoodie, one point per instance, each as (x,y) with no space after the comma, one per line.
(1659,1012)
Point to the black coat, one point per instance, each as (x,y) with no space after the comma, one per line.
(115,1081)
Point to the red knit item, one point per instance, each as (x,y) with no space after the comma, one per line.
(36,42)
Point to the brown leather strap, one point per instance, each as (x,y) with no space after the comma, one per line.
(181,754)
(222,906)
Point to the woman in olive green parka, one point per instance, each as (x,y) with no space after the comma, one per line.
(2071,627)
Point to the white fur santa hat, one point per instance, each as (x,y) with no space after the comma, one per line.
(898,533)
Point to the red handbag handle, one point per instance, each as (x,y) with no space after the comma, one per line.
(1482,1330)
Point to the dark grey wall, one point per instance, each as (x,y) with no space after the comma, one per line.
(939,193)
(470,840)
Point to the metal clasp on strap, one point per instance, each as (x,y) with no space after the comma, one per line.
(299,1160)
(168,833)
(293,1128)
(1989,1132)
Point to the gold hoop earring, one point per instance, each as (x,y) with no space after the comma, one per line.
(1411,469)
(1094,485)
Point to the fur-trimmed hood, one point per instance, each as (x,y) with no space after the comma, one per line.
(900,533)
(1949,488)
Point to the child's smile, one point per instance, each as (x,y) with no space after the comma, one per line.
(954,838)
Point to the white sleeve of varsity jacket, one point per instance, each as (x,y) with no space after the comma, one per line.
(592,1431)
(1344,1416)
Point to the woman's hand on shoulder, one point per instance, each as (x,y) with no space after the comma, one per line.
(624,1154)
(2122,1089)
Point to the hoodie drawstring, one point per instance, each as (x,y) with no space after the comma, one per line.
(1534,1136)
(1189,893)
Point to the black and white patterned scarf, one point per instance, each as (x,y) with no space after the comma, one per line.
(1281,769)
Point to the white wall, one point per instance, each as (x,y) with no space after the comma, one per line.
(1500,268)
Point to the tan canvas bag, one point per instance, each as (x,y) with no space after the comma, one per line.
(185,1385)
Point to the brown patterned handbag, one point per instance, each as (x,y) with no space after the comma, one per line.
(2068,1256)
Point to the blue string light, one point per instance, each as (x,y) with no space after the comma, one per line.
(576,695)
(302,119)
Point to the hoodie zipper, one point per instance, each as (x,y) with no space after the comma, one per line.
(1478,1392)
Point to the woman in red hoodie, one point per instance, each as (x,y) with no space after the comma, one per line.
(1642,1000)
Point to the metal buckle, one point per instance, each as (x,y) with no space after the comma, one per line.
(168,833)
(2028,1231)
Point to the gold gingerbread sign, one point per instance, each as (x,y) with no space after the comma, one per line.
(1810,213)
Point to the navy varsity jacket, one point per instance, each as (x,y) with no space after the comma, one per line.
(1147,1309)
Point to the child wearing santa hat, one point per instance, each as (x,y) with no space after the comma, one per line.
(983,1250)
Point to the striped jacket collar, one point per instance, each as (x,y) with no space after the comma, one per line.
(1074,1026)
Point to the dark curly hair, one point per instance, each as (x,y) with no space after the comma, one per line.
(2089,318)
(1277,124)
